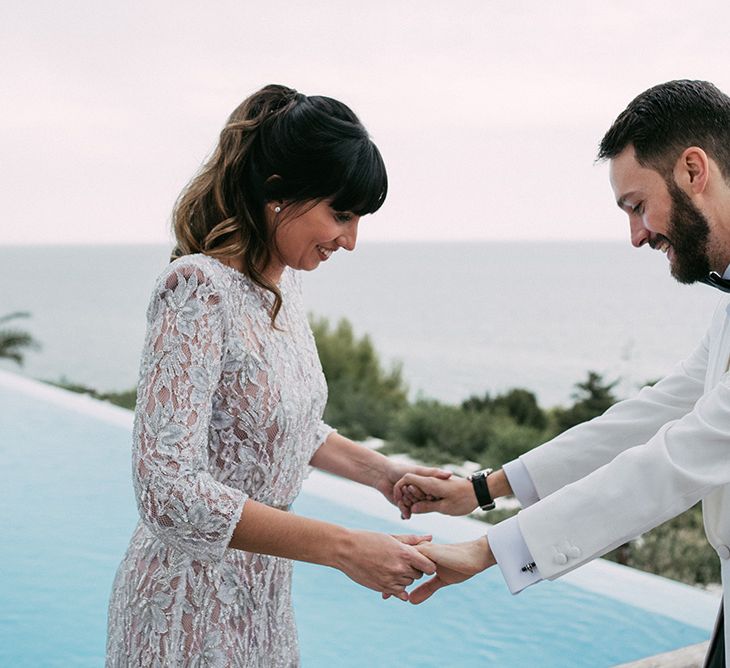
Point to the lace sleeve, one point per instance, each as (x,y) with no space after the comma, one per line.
(322,433)
(178,499)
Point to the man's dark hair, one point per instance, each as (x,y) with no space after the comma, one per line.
(665,120)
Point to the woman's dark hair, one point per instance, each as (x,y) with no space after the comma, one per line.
(277,145)
(665,120)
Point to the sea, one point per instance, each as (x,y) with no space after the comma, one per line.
(459,319)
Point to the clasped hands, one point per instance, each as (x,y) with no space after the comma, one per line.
(434,490)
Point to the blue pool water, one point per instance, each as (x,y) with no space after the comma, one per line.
(67,513)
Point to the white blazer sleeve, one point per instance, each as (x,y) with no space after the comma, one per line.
(641,488)
(581,450)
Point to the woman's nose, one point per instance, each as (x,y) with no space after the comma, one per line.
(348,239)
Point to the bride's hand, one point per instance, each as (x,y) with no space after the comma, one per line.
(387,564)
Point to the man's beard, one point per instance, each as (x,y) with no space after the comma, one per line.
(688,233)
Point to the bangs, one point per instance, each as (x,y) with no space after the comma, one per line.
(362,184)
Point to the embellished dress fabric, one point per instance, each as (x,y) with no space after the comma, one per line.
(228,408)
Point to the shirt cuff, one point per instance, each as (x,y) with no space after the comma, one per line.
(520,482)
(512,555)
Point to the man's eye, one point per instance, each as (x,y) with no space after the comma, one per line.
(343,217)
(638,209)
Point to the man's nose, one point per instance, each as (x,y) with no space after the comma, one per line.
(348,238)
(639,234)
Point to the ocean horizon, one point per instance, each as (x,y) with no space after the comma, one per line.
(460,318)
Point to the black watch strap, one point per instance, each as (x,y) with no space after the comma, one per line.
(481,490)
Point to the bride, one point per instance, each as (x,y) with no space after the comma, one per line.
(231,395)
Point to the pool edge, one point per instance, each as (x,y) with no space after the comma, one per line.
(639,589)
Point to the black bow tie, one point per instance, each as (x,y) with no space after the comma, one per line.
(716,281)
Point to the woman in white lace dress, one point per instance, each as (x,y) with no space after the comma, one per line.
(231,395)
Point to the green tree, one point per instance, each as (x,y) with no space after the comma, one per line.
(476,403)
(522,406)
(363,398)
(14,342)
(592,398)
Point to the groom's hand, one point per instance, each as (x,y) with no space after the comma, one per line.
(454,563)
(452,496)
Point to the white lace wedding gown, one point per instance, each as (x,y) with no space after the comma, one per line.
(228,408)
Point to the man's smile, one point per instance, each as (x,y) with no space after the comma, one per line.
(661,243)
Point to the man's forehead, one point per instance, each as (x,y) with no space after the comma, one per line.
(620,169)
(624,161)
(625,172)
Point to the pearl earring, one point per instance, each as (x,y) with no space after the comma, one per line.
(277,209)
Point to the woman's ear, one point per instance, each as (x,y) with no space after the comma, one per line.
(273,188)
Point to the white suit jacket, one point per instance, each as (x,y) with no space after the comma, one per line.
(643,462)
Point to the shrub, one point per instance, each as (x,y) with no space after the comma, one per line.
(125,399)
(440,433)
(510,439)
(363,398)
(447,433)
(677,549)
(518,403)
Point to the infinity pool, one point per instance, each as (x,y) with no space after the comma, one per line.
(67,513)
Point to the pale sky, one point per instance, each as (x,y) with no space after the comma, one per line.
(487,113)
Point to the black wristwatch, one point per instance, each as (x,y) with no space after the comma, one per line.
(479,480)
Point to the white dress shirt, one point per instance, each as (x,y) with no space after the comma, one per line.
(508,546)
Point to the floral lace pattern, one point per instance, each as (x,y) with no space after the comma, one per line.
(228,408)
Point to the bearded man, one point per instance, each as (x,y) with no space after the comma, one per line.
(652,457)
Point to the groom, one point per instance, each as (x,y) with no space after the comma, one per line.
(652,457)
